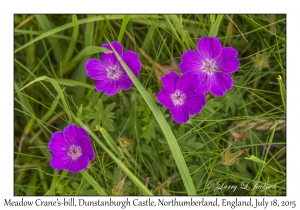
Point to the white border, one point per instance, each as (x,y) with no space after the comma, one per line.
(156,7)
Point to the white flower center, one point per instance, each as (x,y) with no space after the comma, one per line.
(210,66)
(178,97)
(74,152)
(113,73)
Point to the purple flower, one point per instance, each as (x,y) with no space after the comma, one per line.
(72,149)
(264,148)
(180,96)
(109,74)
(213,64)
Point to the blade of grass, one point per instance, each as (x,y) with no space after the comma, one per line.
(88,50)
(27,20)
(179,27)
(251,21)
(215,27)
(58,89)
(92,181)
(212,19)
(30,52)
(42,179)
(262,166)
(31,187)
(123,27)
(86,20)
(203,25)
(79,73)
(173,30)
(133,178)
(73,41)
(46,25)
(73,83)
(54,183)
(51,110)
(23,100)
(282,90)
(110,142)
(172,142)
(149,37)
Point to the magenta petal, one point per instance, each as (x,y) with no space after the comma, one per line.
(109,86)
(188,82)
(79,164)
(86,147)
(180,114)
(70,134)
(118,47)
(58,145)
(220,82)
(165,99)
(109,58)
(205,82)
(209,48)
(81,132)
(190,61)
(195,102)
(60,163)
(169,82)
(228,61)
(132,61)
(57,139)
(95,69)
(124,82)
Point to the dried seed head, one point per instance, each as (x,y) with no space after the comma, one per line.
(261,61)
(231,158)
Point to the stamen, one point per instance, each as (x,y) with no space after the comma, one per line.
(113,73)
(210,66)
(74,152)
(178,97)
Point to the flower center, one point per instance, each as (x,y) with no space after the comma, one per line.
(210,66)
(74,152)
(178,97)
(113,73)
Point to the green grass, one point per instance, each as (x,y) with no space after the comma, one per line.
(51,90)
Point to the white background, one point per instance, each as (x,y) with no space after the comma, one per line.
(8,8)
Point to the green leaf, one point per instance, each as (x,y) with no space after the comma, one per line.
(255,159)
(149,129)
(105,115)
(110,107)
